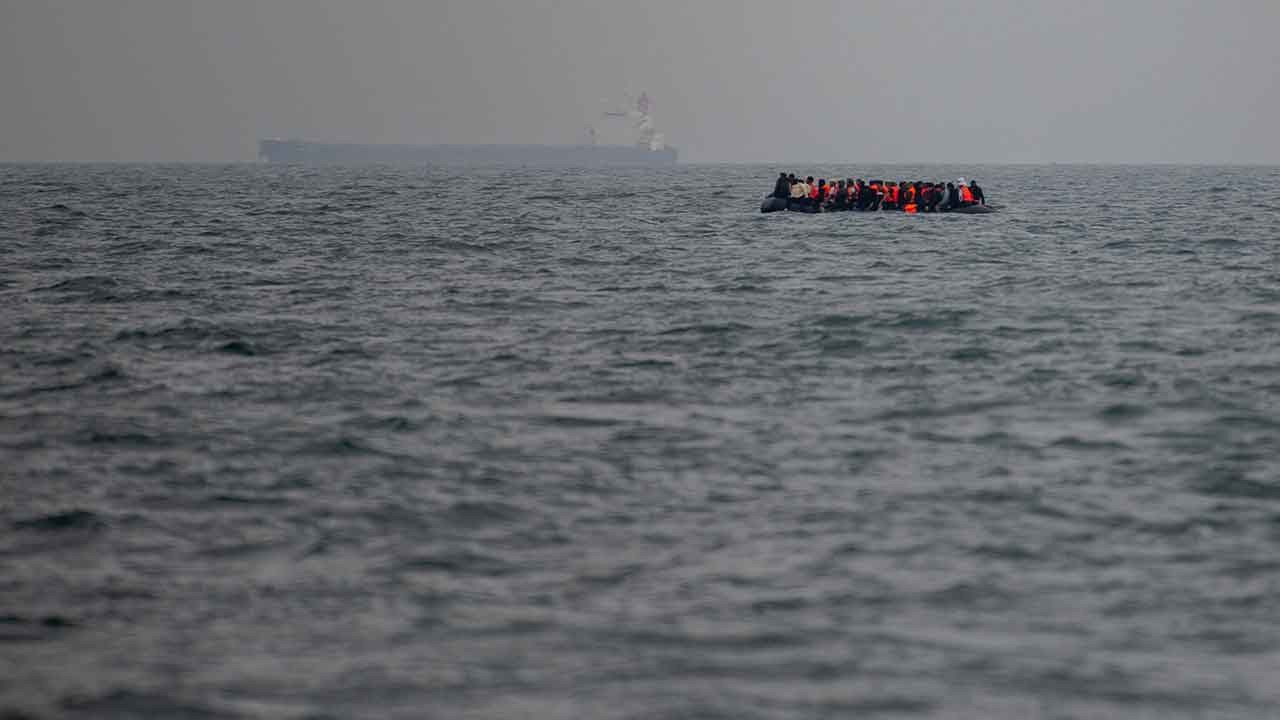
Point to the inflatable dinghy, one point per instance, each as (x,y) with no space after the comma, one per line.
(776,204)
(972,209)
(773,204)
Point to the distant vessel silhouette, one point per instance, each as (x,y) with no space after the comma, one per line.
(649,149)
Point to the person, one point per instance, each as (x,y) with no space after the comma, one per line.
(909,204)
(953,197)
(977,192)
(782,187)
(840,201)
(890,201)
(966,195)
(932,196)
(799,193)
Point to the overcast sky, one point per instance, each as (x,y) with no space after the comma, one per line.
(820,80)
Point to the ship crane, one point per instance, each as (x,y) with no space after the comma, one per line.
(642,122)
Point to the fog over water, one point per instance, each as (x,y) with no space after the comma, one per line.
(988,81)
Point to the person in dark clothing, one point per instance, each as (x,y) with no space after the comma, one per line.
(782,187)
(840,200)
(865,195)
(978,197)
(953,197)
(932,196)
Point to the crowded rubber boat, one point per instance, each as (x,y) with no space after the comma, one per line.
(919,196)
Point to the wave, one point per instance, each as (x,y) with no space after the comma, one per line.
(62,521)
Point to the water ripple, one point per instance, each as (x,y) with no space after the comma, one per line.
(345,442)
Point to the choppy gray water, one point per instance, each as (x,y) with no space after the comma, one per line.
(380,443)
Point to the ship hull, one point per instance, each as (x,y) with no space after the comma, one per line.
(298,152)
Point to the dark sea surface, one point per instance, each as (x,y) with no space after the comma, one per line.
(516,443)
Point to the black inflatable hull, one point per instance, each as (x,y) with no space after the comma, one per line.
(973,209)
(773,204)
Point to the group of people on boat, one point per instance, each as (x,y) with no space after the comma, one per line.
(794,193)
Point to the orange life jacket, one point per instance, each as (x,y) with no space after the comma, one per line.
(911,194)
(910,208)
(966,195)
(891,193)
(813,192)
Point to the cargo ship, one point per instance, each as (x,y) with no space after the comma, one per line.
(649,149)
(301,152)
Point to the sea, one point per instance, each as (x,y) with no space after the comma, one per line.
(504,442)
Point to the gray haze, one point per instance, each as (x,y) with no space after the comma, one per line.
(972,81)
